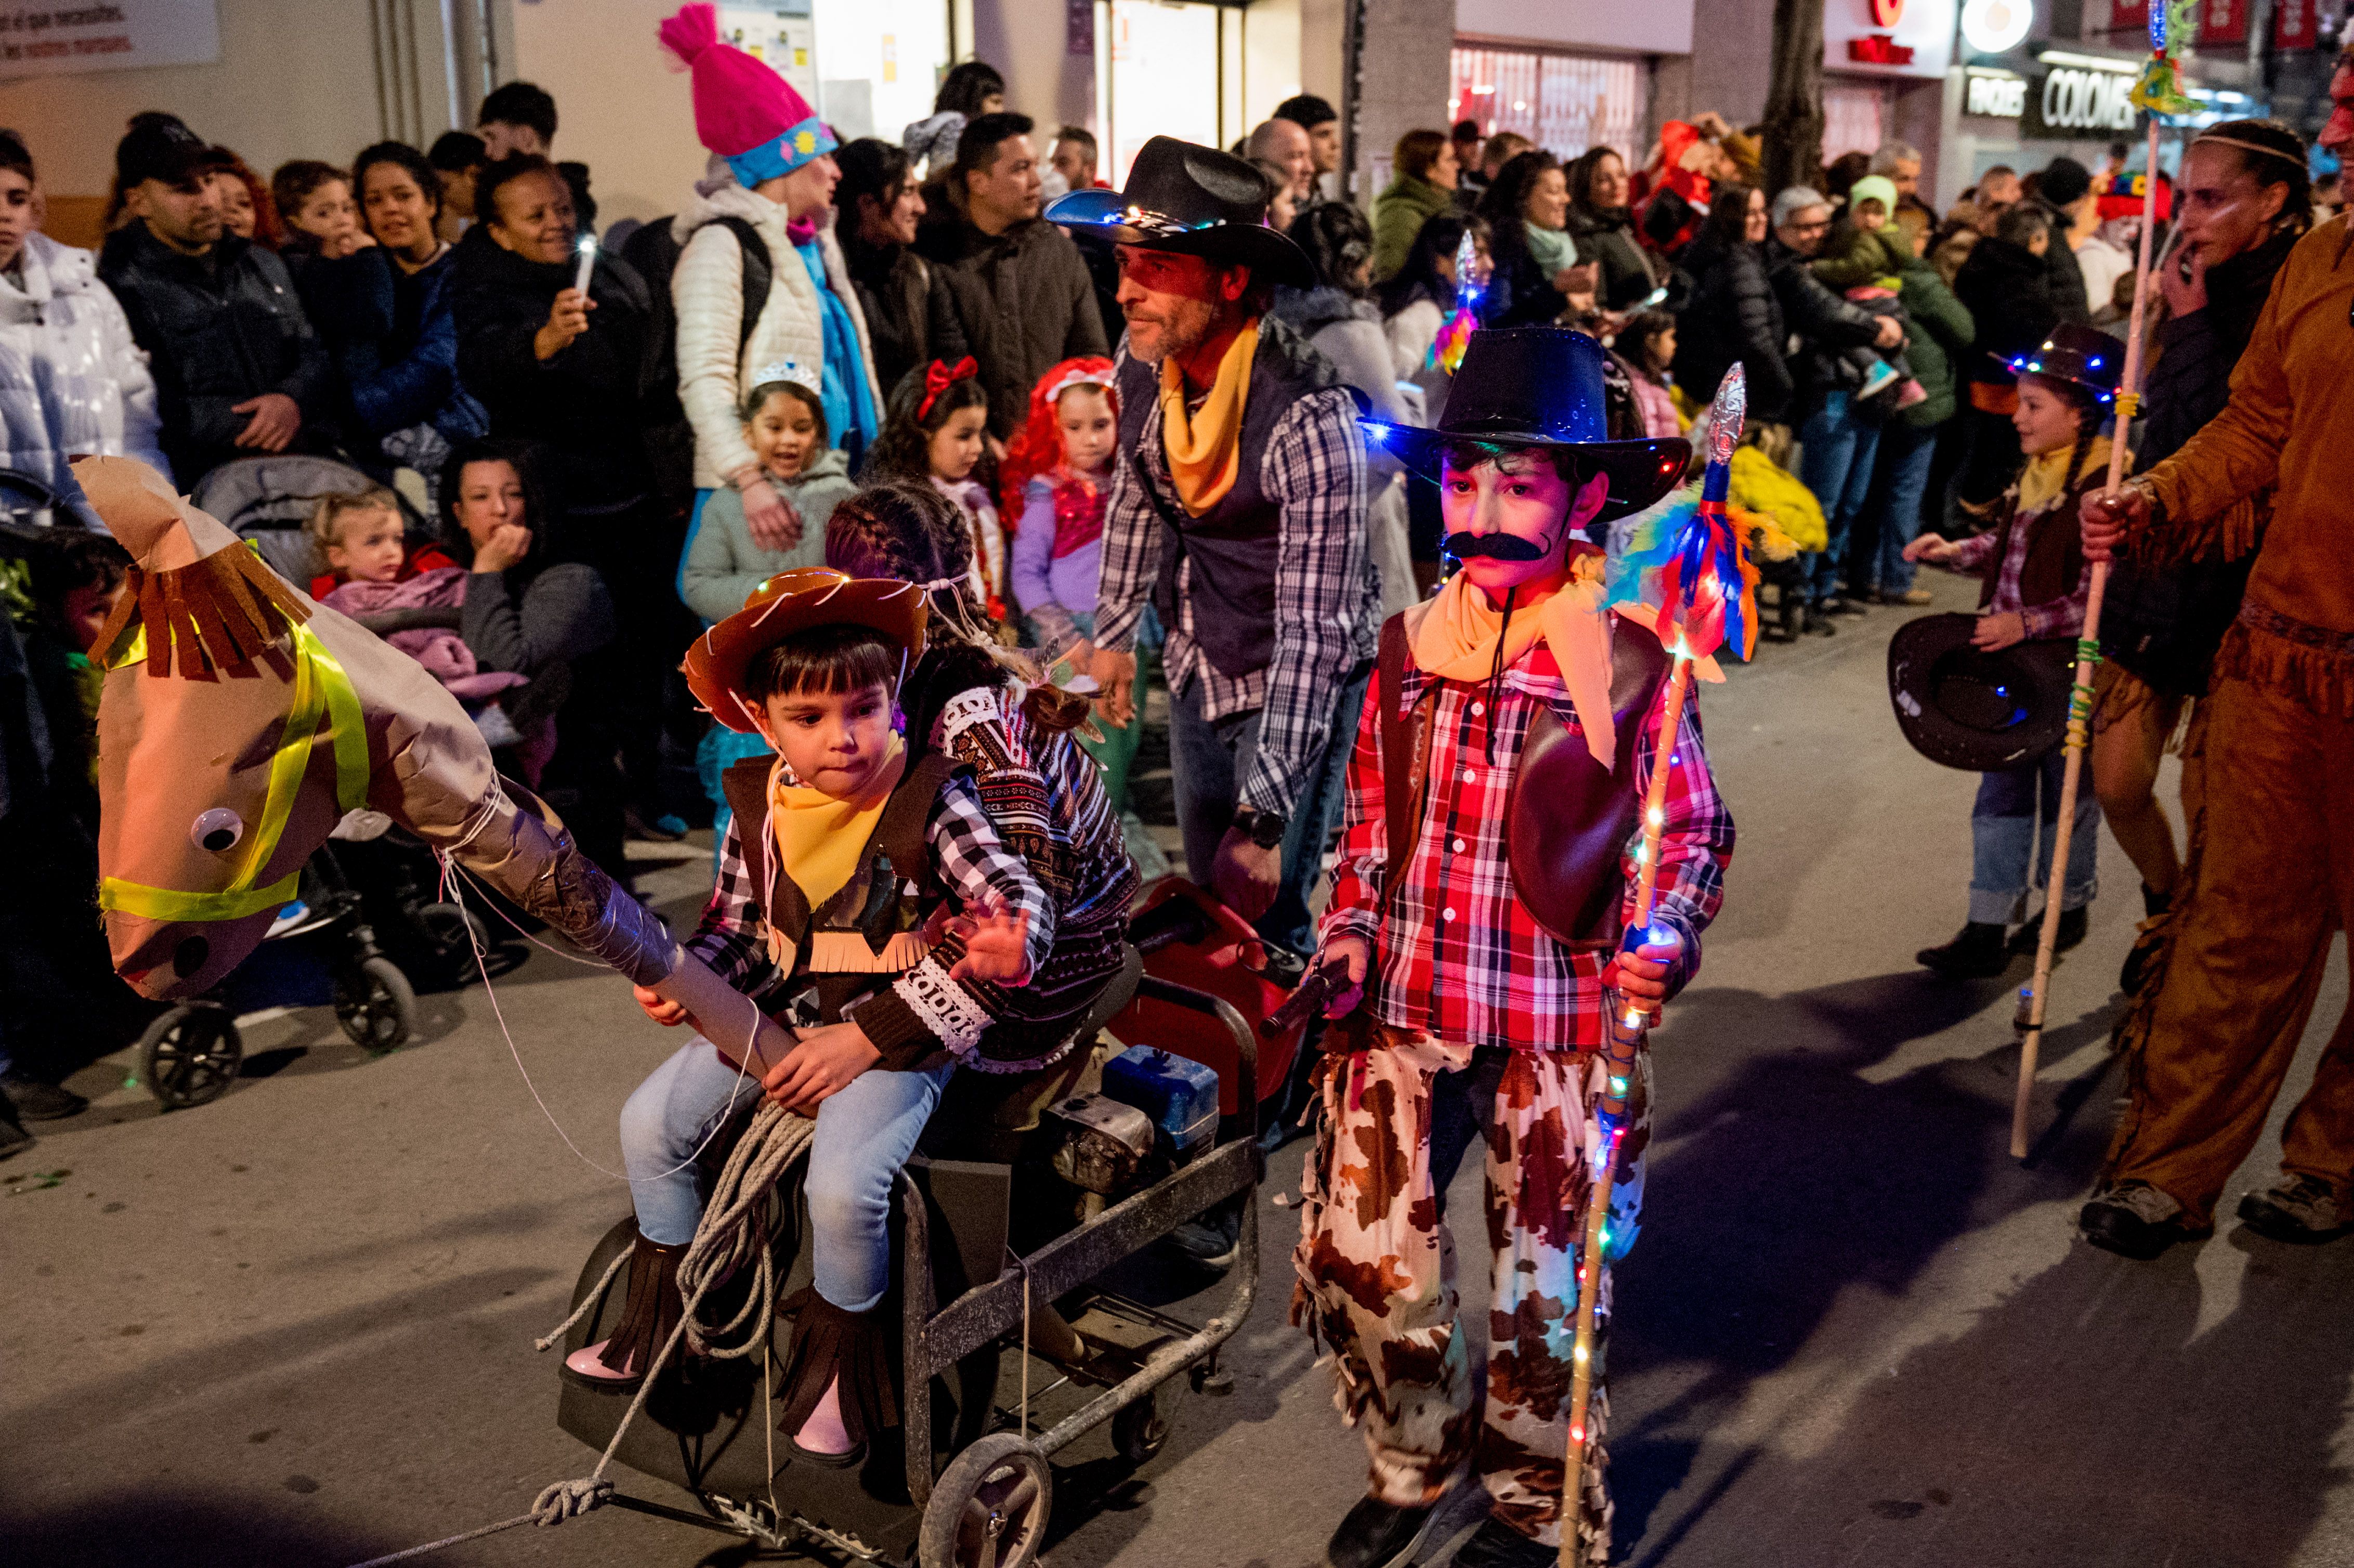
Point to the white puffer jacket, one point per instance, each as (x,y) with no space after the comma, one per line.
(71,379)
(707,290)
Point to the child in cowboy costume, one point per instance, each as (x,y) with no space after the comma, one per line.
(1486,870)
(866,898)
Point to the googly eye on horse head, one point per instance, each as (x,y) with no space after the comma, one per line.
(219,829)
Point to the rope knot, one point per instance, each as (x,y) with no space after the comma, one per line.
(570,1499)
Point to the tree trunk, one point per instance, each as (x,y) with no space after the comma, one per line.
(1793,153)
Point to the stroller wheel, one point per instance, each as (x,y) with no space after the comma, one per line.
(375,1005)
(1139,1430)
(456,933)
(989,1508)
(192,1054)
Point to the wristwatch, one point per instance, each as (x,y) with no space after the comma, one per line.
(1264,829)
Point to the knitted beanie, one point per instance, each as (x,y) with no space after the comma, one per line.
(743,111)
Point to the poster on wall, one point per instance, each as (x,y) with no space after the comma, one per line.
(782,37)
(71,36)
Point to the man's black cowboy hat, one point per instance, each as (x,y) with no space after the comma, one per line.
(1539,386)
(2092,359)
(1973,710)
(1195,201)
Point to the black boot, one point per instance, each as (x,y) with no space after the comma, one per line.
(1377,1535)
(1499,1545)
(2073,924)
(38,1101)
(1975,954)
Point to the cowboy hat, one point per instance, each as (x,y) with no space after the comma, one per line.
(1964,707)
(1194,201)
(1539,386)
(717,661)
(2092,359)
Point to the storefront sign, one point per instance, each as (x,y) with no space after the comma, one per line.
(2296,24)
(1992,26)
(1886,38)
(76,35)
(2222,22)
(1996,95)
(2073,104)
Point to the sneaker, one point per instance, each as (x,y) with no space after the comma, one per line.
(1499,1545)
(2135,1220)
(37,1101)
(2302,1209)
(1878,379)
(13,1139)
(1910,393)
(1375,1535)
(1841,604)
(2073,924)
(1204,1244)
(1975,954)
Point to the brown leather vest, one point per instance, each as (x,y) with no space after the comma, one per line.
(1565,819)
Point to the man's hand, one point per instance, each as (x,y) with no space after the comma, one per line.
(2184,294)
(996,946)
(277,420)
(773,521)
(1358,953)
(2108,515)
(1115,676)
(663,1011)
(1640,977)
(1890,334)
(508,542)
(567,318)
(1243,876)
(1995,632)
(823,1065)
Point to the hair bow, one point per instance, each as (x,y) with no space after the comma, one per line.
(938,377)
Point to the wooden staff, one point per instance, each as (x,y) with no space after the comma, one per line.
(2080,698)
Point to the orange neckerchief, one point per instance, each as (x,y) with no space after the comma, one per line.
(1205,449)
(1454,636)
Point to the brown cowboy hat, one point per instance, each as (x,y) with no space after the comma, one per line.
(717,661)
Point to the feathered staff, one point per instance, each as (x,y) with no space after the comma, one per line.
(1455,336)
(2159,91)
(1695,579)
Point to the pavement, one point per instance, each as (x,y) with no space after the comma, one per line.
(293,1327)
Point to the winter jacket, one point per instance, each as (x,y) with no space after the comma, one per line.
(587,402)
(1852,256)
(724,565)
(908,318)
(717,360)
(1348,332)
(1519,291)
(218,329)
(2060,268)
(71,380)
(1940,339)
(2007,293)
(394,338)
(1733,316)
(1825,325)
(1404,204)
(1607,236)
(1023,301)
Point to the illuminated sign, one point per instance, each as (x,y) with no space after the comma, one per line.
(1878,49)
(2077,104)
(1991,27)
(1997,95)
(1887,13)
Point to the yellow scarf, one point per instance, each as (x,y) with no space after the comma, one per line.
(820,839)
(1205,450)
(1454,636)
(2045,478)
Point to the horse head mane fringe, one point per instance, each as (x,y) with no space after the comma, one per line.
(217,614)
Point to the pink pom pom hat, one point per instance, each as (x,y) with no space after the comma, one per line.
(744,111)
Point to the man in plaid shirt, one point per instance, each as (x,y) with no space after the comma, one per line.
(1475,1011)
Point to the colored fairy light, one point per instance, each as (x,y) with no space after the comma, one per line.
(1658,817)
(1577,1433)
(1634,1017)
(1580,1355)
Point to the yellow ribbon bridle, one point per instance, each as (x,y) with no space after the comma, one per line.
(321,686)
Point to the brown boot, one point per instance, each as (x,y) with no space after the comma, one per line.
(651,1309)
(850,1352)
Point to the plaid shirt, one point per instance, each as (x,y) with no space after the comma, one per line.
(2055,617)
(1457,955)
(1327,598)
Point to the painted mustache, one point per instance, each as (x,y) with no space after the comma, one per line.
(1496,547)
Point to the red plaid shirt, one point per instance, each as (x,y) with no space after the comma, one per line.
(1458,956)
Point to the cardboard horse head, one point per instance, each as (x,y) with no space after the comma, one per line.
(239,722)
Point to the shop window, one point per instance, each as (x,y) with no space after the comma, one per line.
(1172,71)
(1564,103)
(1855,118)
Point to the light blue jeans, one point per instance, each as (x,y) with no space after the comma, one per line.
(2008,842)
(864,1135)
(1906,453)
(1836,447)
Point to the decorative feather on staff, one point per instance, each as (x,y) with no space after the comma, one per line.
(1455,336)
(1694,576)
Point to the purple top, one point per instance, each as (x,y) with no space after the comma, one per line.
(1058,596)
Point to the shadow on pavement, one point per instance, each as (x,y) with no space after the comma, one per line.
(187,1530)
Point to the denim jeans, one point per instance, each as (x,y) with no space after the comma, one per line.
(1838,444)
(2005,837)
(864,1135)
(1906,453)
(1208,761)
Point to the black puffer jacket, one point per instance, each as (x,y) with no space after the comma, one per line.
(1826,325)
(1732,316)
(908,317)
(218,329)
(587,404)
(1607,236)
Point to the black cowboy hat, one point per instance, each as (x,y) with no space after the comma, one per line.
(2092,359)
(1966,708)
(1195,201)
(1539,386)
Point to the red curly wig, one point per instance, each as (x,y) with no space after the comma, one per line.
(1037,448)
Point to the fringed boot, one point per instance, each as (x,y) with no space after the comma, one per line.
(843,1361)
(651,1309)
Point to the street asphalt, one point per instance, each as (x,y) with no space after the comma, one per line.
(293,1327)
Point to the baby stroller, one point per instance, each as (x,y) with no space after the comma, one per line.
(268,501)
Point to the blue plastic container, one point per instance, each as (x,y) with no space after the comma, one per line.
(1180,1095)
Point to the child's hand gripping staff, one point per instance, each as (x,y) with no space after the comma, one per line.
(1689,565)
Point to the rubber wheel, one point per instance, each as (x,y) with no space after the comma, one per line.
(989,1509)
(456,934)
(375,1004)
(192,1054)
(1139,1430)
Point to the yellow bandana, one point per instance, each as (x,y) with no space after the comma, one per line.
(820,840)
(2045,478)
(1205,450)
(1454,636)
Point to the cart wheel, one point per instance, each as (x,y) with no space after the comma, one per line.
(455,932)
(192,1054)
(375,1004)
(1139,1430)
(989,1509)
